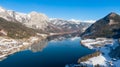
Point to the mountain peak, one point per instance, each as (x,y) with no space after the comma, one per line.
(34,12)
(112,14)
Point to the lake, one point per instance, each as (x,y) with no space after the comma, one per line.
(52,53)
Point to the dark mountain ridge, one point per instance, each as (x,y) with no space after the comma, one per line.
(105,27)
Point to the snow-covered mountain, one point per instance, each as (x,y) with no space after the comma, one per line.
(32,20)
(69,25)
(63,22)
(40,21)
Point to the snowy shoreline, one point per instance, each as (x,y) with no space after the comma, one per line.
(104,45)
(10,46)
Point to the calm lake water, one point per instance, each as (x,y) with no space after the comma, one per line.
(48,54)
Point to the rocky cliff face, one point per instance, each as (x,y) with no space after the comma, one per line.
(37,20)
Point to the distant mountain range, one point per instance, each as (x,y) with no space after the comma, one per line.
(108,26)
(42,23)
(69,25)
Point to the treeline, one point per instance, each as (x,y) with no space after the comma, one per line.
(15,29)
(86,58)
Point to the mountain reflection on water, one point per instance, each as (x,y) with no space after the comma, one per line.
(46,53)
(39,46)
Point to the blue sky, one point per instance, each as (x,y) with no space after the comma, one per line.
(65,9)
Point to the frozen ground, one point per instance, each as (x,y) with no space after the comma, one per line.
(103,45)
(9,46)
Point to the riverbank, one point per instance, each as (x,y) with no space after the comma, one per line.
(96,43)
(10,46)
(43,52)
(104,45)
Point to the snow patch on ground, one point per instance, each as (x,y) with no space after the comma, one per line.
(9,46)
(100,60)
(98,42)
(105,46)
